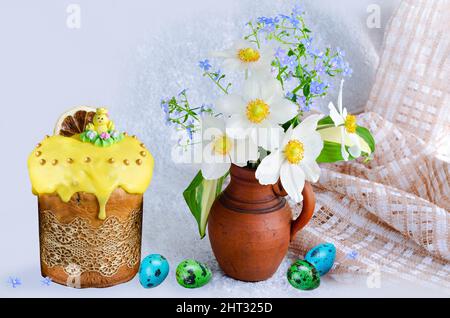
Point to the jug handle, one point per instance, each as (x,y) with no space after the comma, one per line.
(309,203)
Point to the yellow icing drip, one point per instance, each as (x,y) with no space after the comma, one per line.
(66,165)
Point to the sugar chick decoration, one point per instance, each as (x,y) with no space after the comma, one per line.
(102,123)
(101,132)
(91,167)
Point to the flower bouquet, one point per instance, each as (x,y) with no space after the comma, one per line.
(268,133)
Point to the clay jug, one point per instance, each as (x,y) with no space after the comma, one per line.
(250,225)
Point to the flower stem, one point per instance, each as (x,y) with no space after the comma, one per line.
(255,35)
(217,83)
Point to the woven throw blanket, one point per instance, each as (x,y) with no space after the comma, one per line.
(393,213)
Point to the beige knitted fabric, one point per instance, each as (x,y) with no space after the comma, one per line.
(393,213)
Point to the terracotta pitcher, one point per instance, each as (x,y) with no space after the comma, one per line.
(250,226)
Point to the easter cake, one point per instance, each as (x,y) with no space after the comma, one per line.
(90,180)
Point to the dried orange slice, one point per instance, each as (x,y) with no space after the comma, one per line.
(74,121)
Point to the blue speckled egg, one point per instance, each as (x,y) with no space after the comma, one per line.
(153,271)
(322,257)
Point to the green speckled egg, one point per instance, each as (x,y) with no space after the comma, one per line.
(193,274)
(303,275)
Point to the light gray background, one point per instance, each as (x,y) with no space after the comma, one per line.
(127,55)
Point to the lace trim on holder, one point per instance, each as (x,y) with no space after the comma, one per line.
(103,250)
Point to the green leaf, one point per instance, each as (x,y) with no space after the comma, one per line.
(200,196)
(365,134)
(294,122)
(331,152)
(306,90)
(301,49)
(325,121)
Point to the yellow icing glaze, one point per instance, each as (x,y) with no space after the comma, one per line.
(66,165)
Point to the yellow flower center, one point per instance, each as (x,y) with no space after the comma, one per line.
(294,151)
(222,145)
(248,55)
(350,124)
(257,111)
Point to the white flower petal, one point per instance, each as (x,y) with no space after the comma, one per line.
(252,89)
(340,97)
(262,68)
(310,123)
(267,135)
(268,171)
(288,136)
(306,133)
(223,54)
(231,65)
(214,165)
(238,126)
(306,127)
(243,150)
(335,116)
(209,121)
(242,44)
(230,104)
(210,156)
(355,149)
(211,134)
(344,152)
(293,180)
(313,145)
(213,171)
(268,51)
(282,110)
(344,114)
(270,89)
(311,170)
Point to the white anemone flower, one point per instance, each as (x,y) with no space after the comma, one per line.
(295,161)
(258,112)
(347,123)
(244,56)
(220,150)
